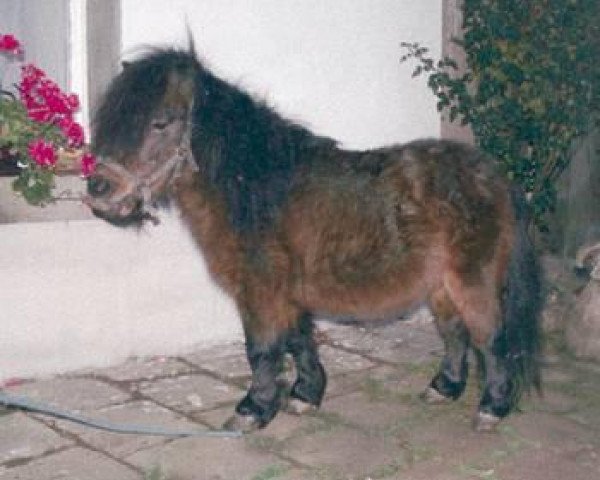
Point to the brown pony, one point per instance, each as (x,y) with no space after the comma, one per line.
(292,226)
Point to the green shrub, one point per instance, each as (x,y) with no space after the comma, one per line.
(531,86)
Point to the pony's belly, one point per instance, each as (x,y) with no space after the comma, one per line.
(386,297)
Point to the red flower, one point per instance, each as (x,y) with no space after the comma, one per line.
(73,102)
(43,153)
(73,131)
(8,43)
(30,76)
(44,100)
(39,112)
(88,164)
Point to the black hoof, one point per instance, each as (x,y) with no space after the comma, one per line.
(432,397)
(261,414)
(242,423)
(485,422)
(310,390)
(444,387)
(295,406)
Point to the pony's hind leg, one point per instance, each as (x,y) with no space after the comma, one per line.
(309,387)
(500,392)
(481,313)
(450,381)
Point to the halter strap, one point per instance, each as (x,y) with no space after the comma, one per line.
(169,171)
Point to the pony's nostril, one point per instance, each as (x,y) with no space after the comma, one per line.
(98,186)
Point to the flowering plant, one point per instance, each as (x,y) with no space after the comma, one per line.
(37,127)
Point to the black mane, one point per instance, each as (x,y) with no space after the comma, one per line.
(245,149)
(248,151)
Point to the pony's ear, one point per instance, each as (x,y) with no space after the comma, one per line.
(190,39)
(180,89)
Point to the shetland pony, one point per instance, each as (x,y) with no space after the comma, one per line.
(293,227)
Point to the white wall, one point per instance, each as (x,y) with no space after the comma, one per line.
(84,293)
(332,64)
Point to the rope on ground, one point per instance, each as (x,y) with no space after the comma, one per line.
(29,405)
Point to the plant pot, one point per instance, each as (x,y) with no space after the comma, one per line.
(8,163)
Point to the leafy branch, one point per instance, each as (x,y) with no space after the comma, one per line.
(531,86)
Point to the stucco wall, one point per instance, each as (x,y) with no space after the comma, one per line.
(83,293)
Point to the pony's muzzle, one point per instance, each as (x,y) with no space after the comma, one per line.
(112,202)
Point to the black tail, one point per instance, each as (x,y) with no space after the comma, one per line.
(519,339)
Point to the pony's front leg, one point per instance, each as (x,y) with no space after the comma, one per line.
(263,399)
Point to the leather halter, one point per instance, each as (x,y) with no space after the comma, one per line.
(168,172)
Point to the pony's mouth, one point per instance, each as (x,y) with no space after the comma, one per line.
(131,211)
(120,197)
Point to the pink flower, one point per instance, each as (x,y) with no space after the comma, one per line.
(44,100)
(73,131)
(8,43)
(30,77)
(88,164)
(43,153)
(73,102)
(39,112)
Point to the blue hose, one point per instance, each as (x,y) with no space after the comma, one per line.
(25,403)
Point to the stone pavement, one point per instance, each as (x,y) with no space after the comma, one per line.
(372,424)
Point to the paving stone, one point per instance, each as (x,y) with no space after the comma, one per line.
(344,383)
(135,413)
(73,394)
(226,366)
(549,430)
(337,361)
(557,375)
(207,459)
(400,381)
(217,351)
(360,337)
(143,369)
(552,402)
(341,452)
(404,345)
(72,464)
(191,393)
(522,444)
(22,437)
(556,465)
(409,340)
(367,413)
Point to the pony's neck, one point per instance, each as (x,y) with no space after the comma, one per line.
(248,153)
(203,212)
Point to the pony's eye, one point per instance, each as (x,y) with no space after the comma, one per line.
(159,124)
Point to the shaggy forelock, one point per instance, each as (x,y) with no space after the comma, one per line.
(125,110)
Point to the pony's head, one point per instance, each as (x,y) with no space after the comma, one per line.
(141,135)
